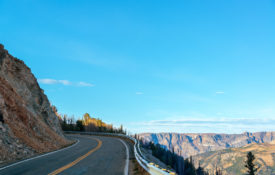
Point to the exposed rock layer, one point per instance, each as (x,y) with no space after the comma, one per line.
(193,144)
(28,124)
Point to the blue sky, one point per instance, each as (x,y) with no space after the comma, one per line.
(154,66)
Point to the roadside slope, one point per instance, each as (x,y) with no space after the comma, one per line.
(28,125)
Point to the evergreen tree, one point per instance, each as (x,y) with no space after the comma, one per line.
(111,129)
(218,172)
(200,171)
(64,124)
(71,123)
(249,164)
(189,168)
(121,129)
(79,125)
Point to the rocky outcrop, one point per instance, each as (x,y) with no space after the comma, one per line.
(192,144)
(28,125)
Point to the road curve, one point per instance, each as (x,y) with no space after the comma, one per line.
(91,155)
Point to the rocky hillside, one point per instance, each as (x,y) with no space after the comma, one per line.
(28,124)
(231,161)
(193,144)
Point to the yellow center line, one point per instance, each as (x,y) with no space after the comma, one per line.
(78,159)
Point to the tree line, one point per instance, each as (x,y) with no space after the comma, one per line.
(174,161)
(88,124)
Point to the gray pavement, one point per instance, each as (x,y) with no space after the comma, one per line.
(109,159)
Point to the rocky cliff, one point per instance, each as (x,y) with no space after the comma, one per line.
(193,144)
(28,124)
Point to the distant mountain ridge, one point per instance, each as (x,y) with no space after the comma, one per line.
(232,160)
(28,125)
(188,145)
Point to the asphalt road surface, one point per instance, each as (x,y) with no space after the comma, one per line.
(91,155)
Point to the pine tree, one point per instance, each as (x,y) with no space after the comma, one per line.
(121,129)
(64,124)
(189,168)
(79,125)
(200,171)
(249,164)
(218,172)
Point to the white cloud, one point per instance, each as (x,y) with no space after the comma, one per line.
(212,121)
(64,82)
(47,81)
(139,93)
(219,92)
(210,125)
(85,84)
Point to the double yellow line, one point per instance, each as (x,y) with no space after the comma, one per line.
(78,159)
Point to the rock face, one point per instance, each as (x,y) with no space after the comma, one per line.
(28,124)
(232,160)
(192,144)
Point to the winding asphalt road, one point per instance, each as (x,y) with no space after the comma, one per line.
(90,155)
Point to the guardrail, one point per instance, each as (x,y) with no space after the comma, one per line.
(151,168)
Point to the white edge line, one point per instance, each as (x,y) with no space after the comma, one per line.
(39,156)
(127,158)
